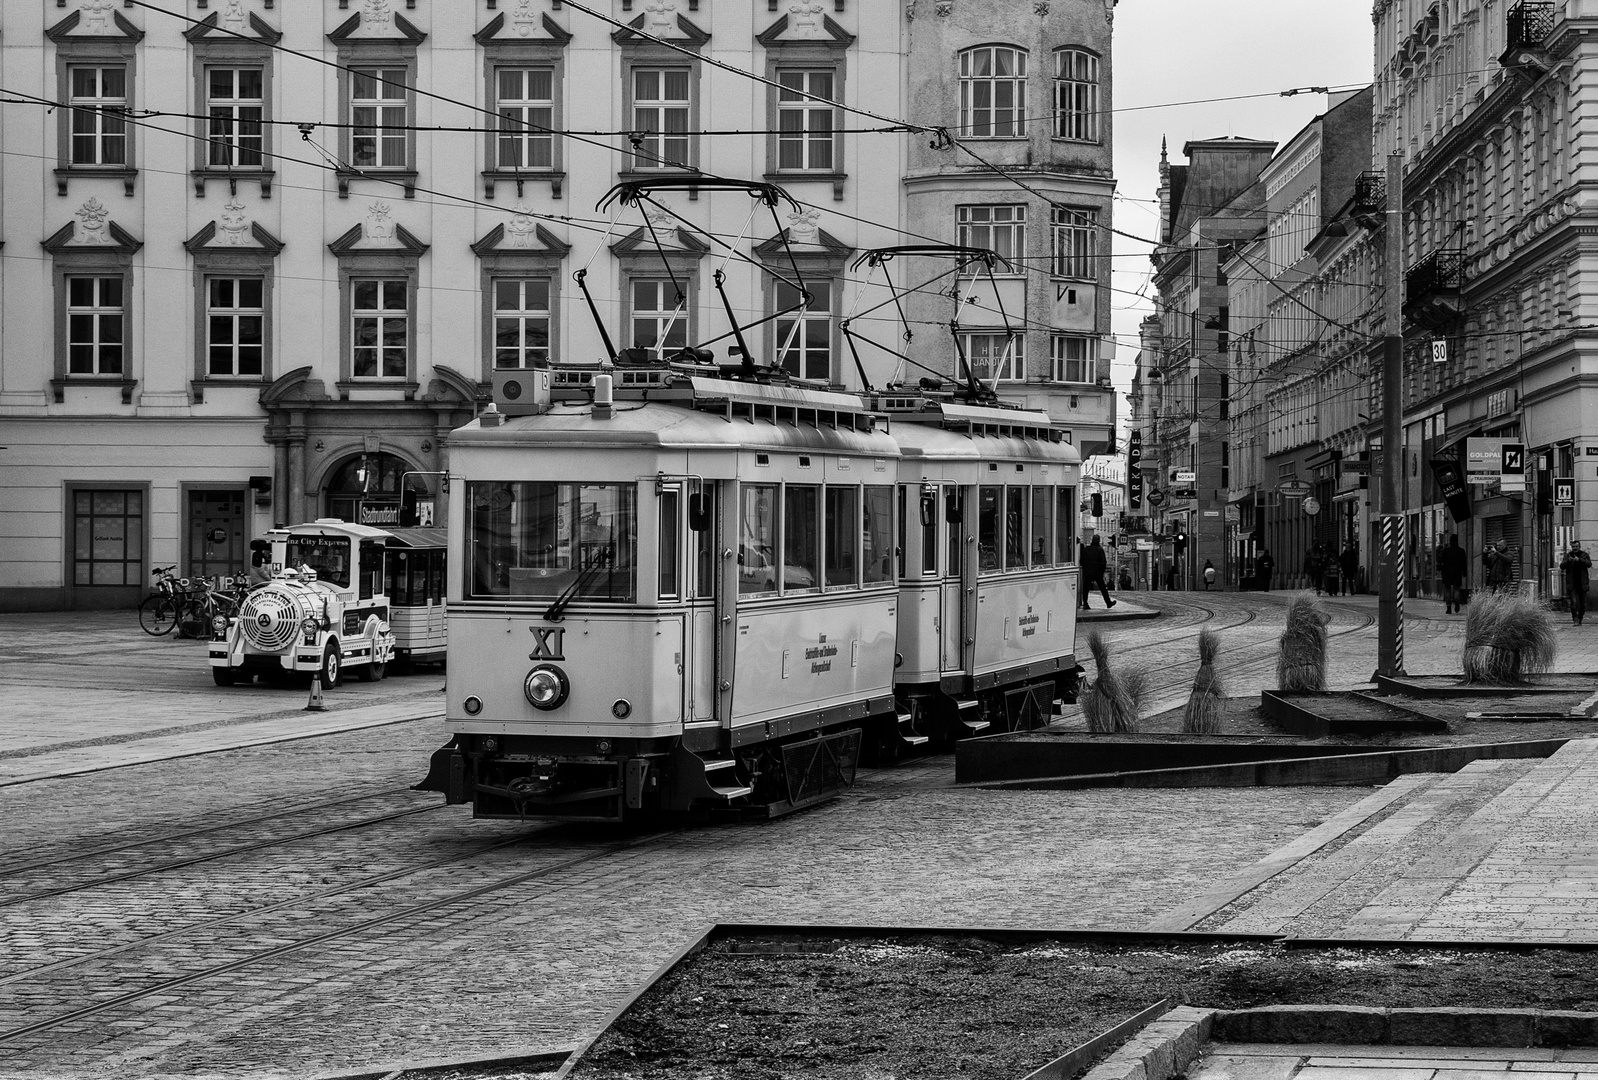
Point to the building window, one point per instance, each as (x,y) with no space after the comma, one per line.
(526,104)
(95,324)
(1076,95)
(1001,229)
(234,104)
(1072,358)
(804,125)
(107,537)
(993,92)
(804,337)
(521,322)
(659,315)
(379,328)
(1073,243)
(995,356)
(660,116)
(99,100)
(235,320)
(378,118)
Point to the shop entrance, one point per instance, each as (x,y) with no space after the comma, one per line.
(365,489)
(216,539)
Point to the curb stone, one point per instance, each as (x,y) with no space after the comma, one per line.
(1165,1048)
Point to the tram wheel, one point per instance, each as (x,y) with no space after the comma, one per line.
(224,676)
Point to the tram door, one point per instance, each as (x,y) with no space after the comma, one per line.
(951,619)
(699,640)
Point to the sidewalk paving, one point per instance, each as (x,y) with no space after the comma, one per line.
(1266,1061)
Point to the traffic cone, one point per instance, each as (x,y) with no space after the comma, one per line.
(315,704)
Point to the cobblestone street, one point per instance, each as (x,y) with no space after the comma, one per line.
(291,908)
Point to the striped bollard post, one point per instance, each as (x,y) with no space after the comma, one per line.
(1393,556)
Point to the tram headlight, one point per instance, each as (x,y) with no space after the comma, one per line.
(473,705)
(546,687)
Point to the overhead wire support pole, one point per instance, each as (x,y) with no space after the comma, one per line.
(1390,600)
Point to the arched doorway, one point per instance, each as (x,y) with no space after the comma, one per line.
(365,489)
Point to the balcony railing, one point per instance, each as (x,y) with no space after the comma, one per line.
(1530,24)
(1433,288)
(1370,191)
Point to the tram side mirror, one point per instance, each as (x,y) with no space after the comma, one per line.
(699,512)
(951,512)
(929,510)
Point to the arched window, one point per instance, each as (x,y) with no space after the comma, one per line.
(1076,95)
(993,92)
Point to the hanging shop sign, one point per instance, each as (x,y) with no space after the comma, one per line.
(1295,488)
(1452,485)
(1156,496)
(1484,460)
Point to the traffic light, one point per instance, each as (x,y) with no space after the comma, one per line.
(1098,505)
(1179,544)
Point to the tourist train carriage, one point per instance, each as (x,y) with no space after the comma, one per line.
(415,584)
(988,577)
(324,610)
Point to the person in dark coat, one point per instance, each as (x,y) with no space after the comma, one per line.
(1264,567)
(1496,565)
(1577,565)
(1451,567)
(1312,566)
(1331,570)
(1094,566)
(1350,565)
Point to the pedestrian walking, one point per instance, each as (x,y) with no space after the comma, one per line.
(1209,574)
(1350,566)
(1312,567)
(1125,582)
(1331,570)
(1264,567)
(1094,564)
(1577,565)
(1451,567)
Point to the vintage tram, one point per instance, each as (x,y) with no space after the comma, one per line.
(414,580)
(674,589)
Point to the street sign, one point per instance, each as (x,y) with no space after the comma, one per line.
(1512,468)
(1295,489)
(1312,506)
(1156,497)
(1483,460)
(1186,476)
(1439,351)
(1564,491)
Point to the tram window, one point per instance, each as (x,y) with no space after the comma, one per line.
(800,536)
(842,535)
(1042,519)
(876,559)
(990,526)
(953,514)
(437,564)
(1015,530)
(1064,532)
(903,497)
(757,539)
(396,584)
(704,506)
(929,533)
(669,542)
(537,539)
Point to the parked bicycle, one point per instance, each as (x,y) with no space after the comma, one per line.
(187,605)
(158,614)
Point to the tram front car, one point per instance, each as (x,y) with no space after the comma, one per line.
(675,596)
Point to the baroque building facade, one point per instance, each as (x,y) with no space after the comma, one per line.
(261,258)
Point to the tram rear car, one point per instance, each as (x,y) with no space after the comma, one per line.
(989,577)
(678,601)
(415,576)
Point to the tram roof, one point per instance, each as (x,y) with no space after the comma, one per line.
(331,527)
(925,440)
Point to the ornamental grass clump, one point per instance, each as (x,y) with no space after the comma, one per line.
(1108,704)
(1302,663)
(1507,637)
(1206,705)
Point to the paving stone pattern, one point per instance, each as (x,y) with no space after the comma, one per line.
(1263,1061)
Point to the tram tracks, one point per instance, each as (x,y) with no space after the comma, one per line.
(206,857)
(273,952)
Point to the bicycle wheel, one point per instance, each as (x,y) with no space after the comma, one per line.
(158,614)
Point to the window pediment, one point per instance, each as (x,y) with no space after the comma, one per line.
(520,236)
(359,241)
(247,237)
(96,26)
(200,32)
(93,232)
(692,36)
(518,30)
(354,33)
(785,33)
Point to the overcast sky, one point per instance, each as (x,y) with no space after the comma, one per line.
(1182,50)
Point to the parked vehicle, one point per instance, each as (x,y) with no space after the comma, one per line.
(414,581)
(324,610)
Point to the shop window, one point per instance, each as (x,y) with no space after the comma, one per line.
(107,538)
